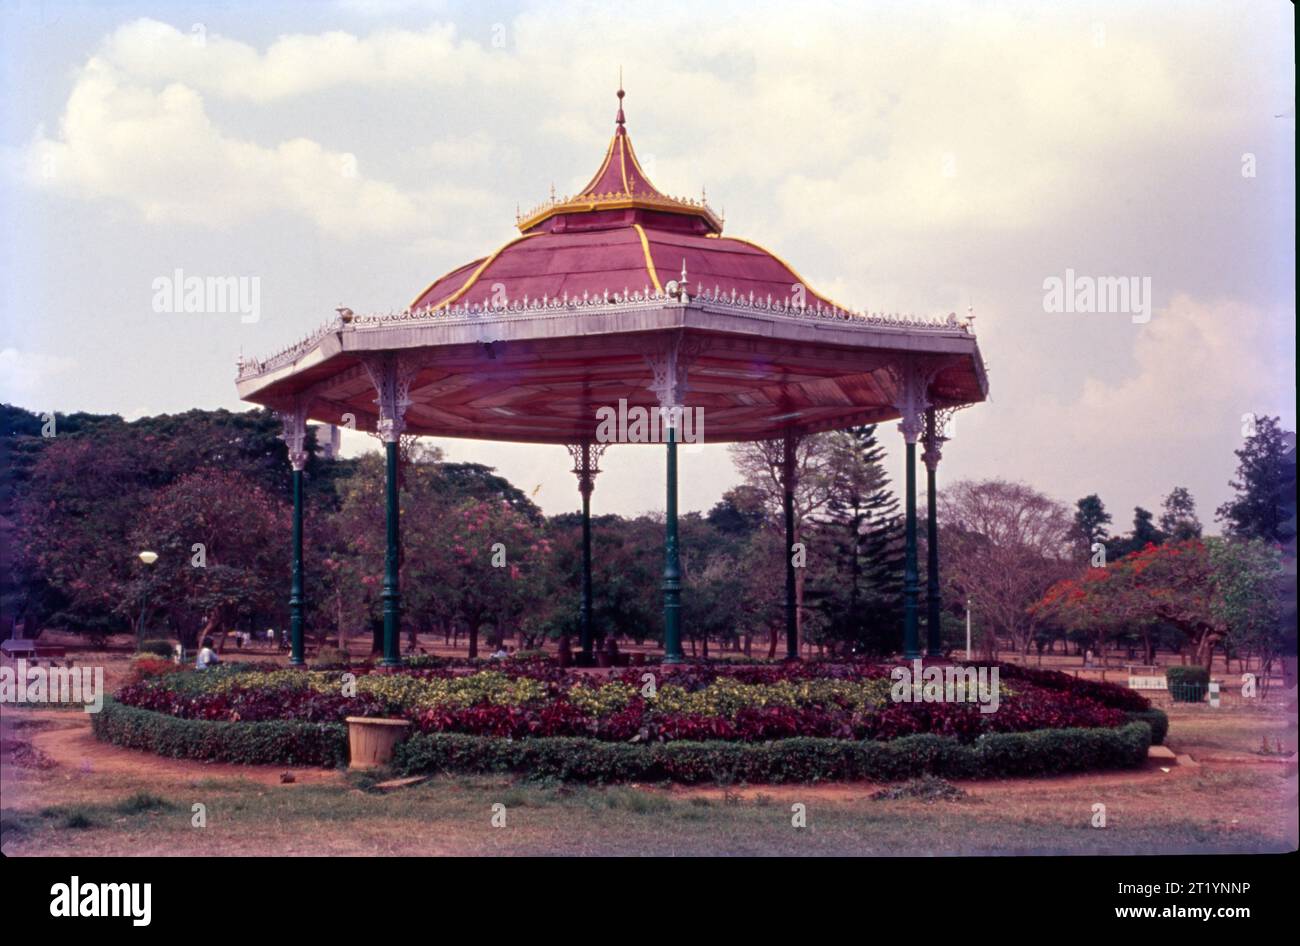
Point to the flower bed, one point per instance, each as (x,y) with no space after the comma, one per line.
(592,760)
(743,704)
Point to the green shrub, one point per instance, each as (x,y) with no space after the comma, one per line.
(330,657)
(275,742)
(1156,719)
(783,760)
(159,648)
(1188,684)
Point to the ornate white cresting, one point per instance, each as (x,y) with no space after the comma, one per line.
(392,376)
(629,300)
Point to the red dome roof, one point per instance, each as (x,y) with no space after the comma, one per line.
(618,234)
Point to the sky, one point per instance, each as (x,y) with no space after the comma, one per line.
(913,158)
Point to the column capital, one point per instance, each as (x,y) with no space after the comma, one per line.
(936,422)
(392,375)
(586,464)
(911,395)
(670,364)
(293,419)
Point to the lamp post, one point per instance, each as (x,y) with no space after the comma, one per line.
(148,558)
(968,628)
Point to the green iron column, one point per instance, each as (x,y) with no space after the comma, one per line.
(296,597)
(911,391)
(586,457)
(933,612)
(911,589)
(392,377)
(791,605)
(294,421)
(673,653)
(584,632)
(392,592)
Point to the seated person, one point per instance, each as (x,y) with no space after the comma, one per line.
(208,657)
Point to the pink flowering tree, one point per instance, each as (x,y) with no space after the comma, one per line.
(489,559)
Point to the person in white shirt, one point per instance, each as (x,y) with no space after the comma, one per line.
(207,656)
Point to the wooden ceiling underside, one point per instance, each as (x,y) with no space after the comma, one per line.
(550,392)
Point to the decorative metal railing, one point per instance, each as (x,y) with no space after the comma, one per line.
(628,300)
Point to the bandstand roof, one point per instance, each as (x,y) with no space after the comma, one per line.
(528,342)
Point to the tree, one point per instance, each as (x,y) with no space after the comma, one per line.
(487,556)
(1144,531)
(1005,544)
(1265,485)
(859,590)
(77,495)
(221,543)
(739,512)
(1208,589)
(1090,522)
(1249,585)
(1178,520)
(762,464)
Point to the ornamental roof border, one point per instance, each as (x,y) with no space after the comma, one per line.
(607,302)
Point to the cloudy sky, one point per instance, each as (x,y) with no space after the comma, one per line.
(906,158)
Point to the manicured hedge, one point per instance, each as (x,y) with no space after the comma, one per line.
(1187,684)
(996,755)
(1156,719)
(276,742)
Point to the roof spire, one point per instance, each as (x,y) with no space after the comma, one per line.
(619,120)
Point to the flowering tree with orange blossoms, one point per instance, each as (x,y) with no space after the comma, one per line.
(1207,592)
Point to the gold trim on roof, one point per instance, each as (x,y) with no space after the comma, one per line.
(473,278)
(585,203)
(649,260)
(609,153)
(793,272)
(622,162)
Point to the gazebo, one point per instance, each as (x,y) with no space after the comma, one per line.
(621,301)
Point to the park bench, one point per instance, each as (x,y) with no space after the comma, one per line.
(30,649)
(1148,682)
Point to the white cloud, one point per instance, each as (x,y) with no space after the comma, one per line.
(301,63)
(160,152)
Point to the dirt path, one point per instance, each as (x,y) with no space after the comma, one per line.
(64,739)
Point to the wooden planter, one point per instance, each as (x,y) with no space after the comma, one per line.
(371,741)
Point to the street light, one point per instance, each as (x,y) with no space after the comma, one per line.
(968,600)
(148,558)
